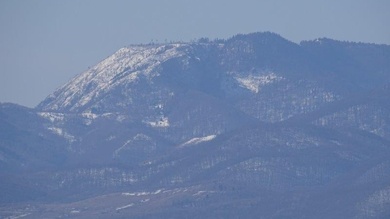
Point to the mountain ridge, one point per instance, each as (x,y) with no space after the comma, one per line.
(251,125)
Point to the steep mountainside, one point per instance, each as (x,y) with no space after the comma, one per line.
(252,126)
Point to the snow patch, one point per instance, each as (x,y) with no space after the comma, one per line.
(162,123)
(121,118)
(20,216)
(254,82)
(199,140)
(52,117)
(199,193)
(142,193)
(158,192)
(202,192)
(124,207)
(89,115)
(376,204)
(111,137)
(62,133)
(129,143)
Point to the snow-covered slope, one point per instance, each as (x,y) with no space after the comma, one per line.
(123,68)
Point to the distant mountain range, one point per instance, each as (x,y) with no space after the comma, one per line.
(254,126)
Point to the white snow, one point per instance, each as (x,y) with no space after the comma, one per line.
(53,117)
(195,141)
(116,152)
(121,118)
(124,207)
(129,142)
(20,216)
(161,123)
(111,137)
(376,203)
(158,191)
(202,192)
(142,193)
(75,212)
(89,115)
(199,193)
(319,40)
(57,131)
(336,142)
(254,82)
(129,194)
(123,67)
(62,133)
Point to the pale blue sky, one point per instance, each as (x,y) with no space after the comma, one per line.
(43,44)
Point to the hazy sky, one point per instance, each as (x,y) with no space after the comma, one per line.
(43,44)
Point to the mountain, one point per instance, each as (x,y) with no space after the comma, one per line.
(254,126)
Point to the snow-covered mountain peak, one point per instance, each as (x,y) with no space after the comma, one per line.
(123,67)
